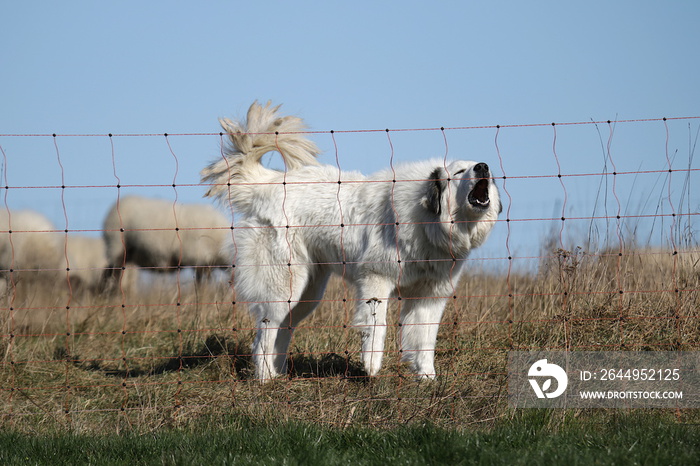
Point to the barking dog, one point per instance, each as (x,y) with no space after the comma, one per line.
(398,234)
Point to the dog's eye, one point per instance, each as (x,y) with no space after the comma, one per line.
(459,172)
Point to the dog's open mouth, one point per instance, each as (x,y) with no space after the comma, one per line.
(479,195)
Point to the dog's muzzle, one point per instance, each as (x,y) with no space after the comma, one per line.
(479,195)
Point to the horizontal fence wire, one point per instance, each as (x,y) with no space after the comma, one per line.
(88,339)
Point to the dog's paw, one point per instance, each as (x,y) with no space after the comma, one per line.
(426,376)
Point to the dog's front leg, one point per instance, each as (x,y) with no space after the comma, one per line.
(370,317)
(420,322)
(373,334)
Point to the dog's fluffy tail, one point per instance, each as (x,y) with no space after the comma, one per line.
(263,131)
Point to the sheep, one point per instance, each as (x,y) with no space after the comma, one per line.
(35,250)
(87,260)
(29,245)
(163,236)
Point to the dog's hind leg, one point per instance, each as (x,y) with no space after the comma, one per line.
(268,357)
(370,318)
(307,303)
(279,316)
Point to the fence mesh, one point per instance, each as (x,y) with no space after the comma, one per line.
(595,249)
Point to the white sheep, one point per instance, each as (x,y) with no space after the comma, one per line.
(35,249)
(87,260)
(162,235)
(30,246)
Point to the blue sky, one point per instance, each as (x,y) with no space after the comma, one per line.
(175,67)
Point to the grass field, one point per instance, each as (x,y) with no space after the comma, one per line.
(166,369)
(535,437)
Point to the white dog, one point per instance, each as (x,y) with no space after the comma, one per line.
(401,233)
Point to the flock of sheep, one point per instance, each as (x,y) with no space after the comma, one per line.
(150,233)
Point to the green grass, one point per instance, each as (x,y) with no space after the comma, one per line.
(528,437)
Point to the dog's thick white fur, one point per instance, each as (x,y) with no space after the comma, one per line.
(399,234)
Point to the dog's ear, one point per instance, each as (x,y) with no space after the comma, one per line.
(434,188)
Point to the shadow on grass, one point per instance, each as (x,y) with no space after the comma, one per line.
(300,365)
(328,365)
(191,356)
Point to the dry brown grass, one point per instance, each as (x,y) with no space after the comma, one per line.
(169,355)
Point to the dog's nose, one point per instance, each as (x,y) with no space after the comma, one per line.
(481,169)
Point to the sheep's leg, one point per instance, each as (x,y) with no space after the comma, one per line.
(111,278)
(202,274)
(119,279)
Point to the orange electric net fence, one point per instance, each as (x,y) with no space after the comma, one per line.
(117,310)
